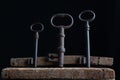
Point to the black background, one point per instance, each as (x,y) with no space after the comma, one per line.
(16,39)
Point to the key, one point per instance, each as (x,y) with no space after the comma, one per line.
(62,24)
(37,27)
(87,16)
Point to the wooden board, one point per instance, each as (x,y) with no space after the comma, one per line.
(68,60)
(58,73)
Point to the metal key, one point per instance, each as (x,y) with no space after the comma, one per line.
(87,20)
(62,34)
(37,27)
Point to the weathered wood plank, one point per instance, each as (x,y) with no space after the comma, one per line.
(68,60)
(59,73)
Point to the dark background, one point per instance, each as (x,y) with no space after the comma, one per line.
(16,39)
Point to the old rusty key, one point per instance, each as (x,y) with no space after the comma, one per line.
(87,16)
(61,24)
(37,27)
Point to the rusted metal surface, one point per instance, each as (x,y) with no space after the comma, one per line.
(68,60)
(59,73)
